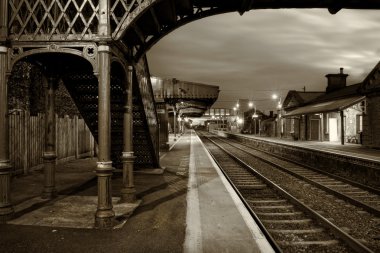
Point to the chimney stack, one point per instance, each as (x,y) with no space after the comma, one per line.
(336,81)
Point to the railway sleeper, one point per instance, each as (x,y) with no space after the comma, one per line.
(268,201)
(301,237)
(297,224)
(298,221)
(250,187)
(311,243)
(297,231)
(286,207)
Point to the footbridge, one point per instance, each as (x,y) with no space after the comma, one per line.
(97,49)
(177,100)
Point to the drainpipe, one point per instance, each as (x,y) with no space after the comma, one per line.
(342,127)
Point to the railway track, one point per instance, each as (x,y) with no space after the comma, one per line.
(356,194)
(290,225)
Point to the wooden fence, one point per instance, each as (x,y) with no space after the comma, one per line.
(27,137)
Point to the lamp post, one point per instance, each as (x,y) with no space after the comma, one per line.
(235,111)
(238,120)
(179,125)
(250,105)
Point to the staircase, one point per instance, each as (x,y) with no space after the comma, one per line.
(83,88)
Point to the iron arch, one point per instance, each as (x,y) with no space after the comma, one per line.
(146,23)
(62,53)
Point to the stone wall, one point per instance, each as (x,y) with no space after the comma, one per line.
(371,123)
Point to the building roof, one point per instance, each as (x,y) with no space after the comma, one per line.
(319,102)
(348,91)
(299,98)
(310,95)
(372,81)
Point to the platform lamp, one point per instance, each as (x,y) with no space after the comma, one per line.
(251,105)
(279,107)
(238,119)
(254,117)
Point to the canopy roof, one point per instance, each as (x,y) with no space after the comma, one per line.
(329,106)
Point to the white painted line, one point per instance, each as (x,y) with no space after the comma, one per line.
(193,237)
(259,238)
(172,146)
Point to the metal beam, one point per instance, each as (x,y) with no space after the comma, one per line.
(3,20)
(139,33)
(6,209)
(155,19)
(104,27)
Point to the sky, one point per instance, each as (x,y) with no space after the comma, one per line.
(269,51)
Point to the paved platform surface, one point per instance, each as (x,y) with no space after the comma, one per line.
(348,149)
(187,208)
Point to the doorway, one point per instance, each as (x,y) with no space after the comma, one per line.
(333,129)
(314,129)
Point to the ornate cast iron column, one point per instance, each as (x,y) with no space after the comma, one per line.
(128,192)
(342,127)
(50,154)
(104,214)
(6,209)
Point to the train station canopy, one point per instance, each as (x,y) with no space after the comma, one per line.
(324,107)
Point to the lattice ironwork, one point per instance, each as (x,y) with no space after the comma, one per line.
(57,20)
(124,11)
(145,119)
(83,87)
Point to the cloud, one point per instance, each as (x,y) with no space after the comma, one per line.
(267,51)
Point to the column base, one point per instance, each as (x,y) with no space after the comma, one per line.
(164,147)
(128,195)
(49,193)
(6,213)
(104,219)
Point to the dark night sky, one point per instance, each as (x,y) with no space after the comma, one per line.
(269,51)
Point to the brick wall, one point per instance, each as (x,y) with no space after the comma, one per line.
(371,123)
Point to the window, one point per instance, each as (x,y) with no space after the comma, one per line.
(292,125)
(359,123)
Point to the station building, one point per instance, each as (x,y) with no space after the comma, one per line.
(345,114)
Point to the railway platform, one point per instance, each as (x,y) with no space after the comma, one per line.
(348,149)
(187,206)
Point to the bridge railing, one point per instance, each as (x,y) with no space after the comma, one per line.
(61,20)
(44,20)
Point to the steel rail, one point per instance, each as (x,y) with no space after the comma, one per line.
(263,229)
